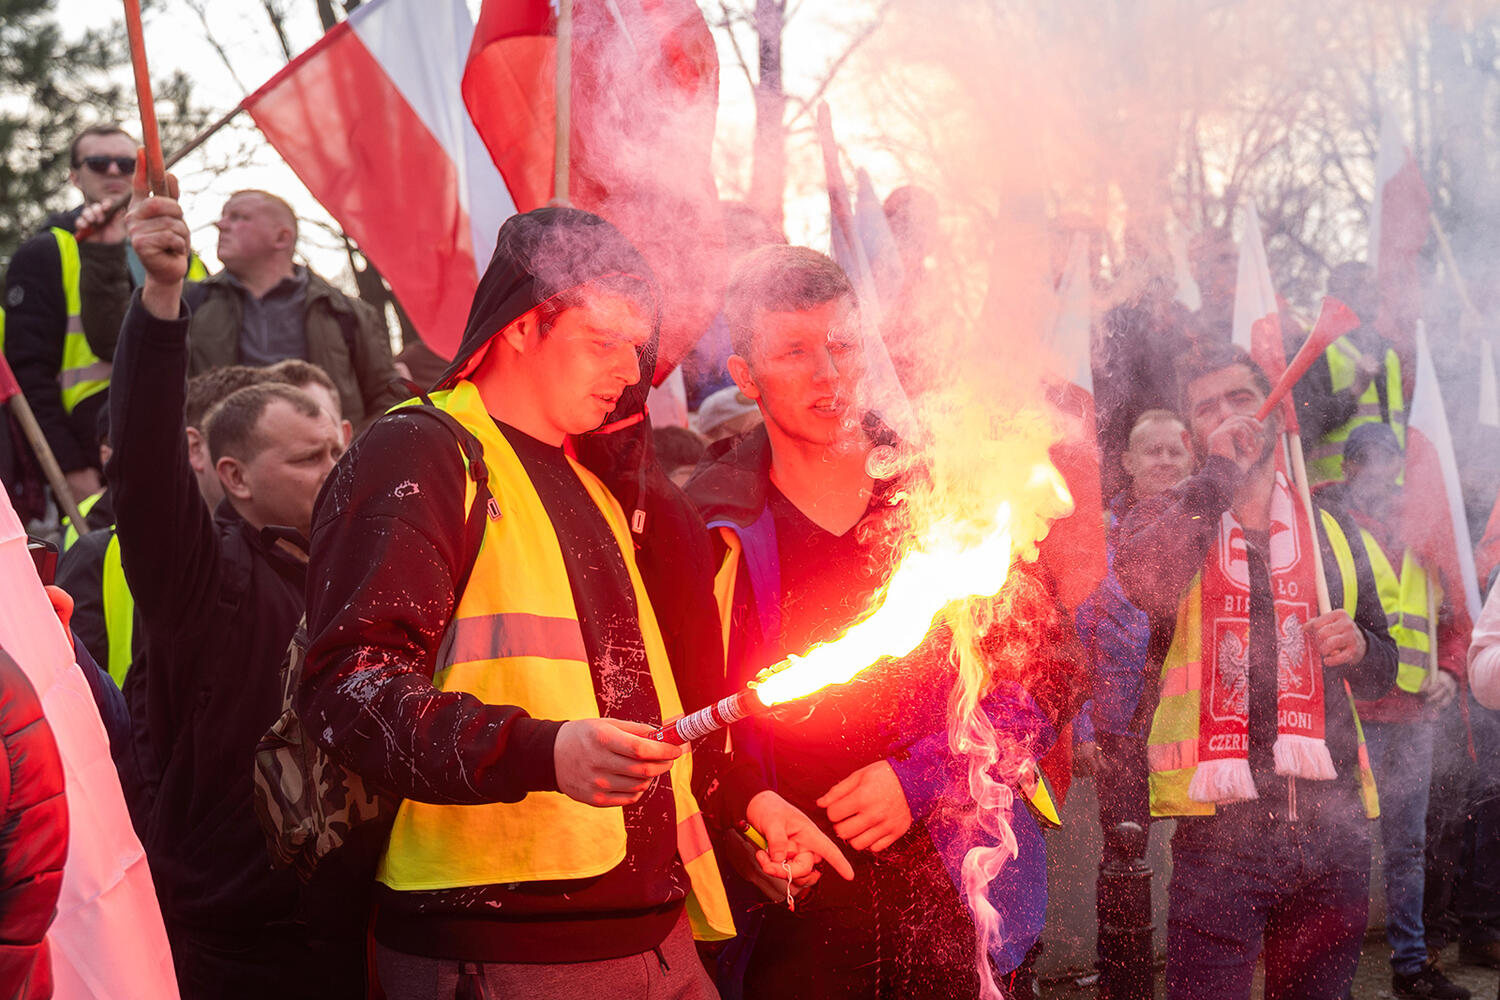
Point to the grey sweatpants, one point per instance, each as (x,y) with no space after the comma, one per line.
(676,974)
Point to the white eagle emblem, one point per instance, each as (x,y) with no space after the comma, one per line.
(1291,657)
(1232,678)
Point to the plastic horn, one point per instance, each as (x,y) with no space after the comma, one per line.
(1334,321)
(711,719)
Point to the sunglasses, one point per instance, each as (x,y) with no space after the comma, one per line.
(100,164)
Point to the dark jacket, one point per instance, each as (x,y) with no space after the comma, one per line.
(33,836)
(217,603)
(36,321)
(731,488)
(1161,547)
(346,338)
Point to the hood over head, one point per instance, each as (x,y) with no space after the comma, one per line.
(539,255)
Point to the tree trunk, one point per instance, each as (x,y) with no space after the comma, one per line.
(768,168)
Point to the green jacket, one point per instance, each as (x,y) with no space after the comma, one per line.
(346,337)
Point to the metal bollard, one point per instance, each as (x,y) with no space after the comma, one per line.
(1125,930)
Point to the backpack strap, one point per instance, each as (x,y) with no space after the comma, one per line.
(484,506)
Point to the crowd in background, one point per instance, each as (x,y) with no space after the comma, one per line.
(197,423)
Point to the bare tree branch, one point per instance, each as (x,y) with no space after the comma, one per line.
(200,8)
(805,105)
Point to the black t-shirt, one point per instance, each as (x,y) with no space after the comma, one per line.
(827,583)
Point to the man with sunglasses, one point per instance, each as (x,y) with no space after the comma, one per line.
(49,334)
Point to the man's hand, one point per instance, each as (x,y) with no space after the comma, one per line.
(1439,689)
(1339,641)
(1240,439)
(1086,759)
(161,240)
(868,809)
(608,762)
(102,227)
(83,483)
(1365,372)
(794,839)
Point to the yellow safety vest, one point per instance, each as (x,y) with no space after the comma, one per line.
(515,640)
(70,530)
(1326,462)
(119,612)
(1172,747)
(83,373)
(1404,599)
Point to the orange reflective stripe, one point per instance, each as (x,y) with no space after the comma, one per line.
(1177,680)
(1172,756)
(692,838)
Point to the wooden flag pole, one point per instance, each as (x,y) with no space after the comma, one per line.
(21,410)
(1299,475)
(564,95)
(156,167)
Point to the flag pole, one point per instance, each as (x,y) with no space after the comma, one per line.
(156,168)
(1452,262)
(564,95)
(10,392)
(1432,645)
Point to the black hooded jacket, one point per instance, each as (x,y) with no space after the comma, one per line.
(381,593)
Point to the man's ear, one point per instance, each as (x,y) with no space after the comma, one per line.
(517,333)
(285,238)
(197,450)
(232,476)
(1128,463)
(739,370)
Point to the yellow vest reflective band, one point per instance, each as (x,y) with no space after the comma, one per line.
(1404,599)
(82,373)
(515,640)
(1325,463)
(70,530)
(1172,747)
(119,612)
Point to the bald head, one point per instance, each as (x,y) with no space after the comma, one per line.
(257,234)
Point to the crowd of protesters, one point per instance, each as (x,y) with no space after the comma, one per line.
(474,597)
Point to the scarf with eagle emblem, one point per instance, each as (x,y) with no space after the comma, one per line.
(1223,772)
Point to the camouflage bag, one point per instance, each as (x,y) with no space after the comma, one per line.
(309,805)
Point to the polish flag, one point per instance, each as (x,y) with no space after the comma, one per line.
(372,120)
(643,102)
(1436,527)
(1399,226)
(1257,313)
(106,937)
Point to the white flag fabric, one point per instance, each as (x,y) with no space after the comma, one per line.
(1435,520)
(107,940)
(1072,332)
(1489,390)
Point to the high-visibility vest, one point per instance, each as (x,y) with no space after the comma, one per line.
(1405,600)
(119,611)
(1172,747)
(1326,462)
(515,640)
(83,373)
(70,530)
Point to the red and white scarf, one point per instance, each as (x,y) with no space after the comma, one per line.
(1223,772)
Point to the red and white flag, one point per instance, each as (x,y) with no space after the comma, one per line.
(372,120)
(1399,226)
(1434,520)
(106,937)
(644,98)
(1257,312)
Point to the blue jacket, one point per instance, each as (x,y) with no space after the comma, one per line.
(730,490)
(1116,636)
